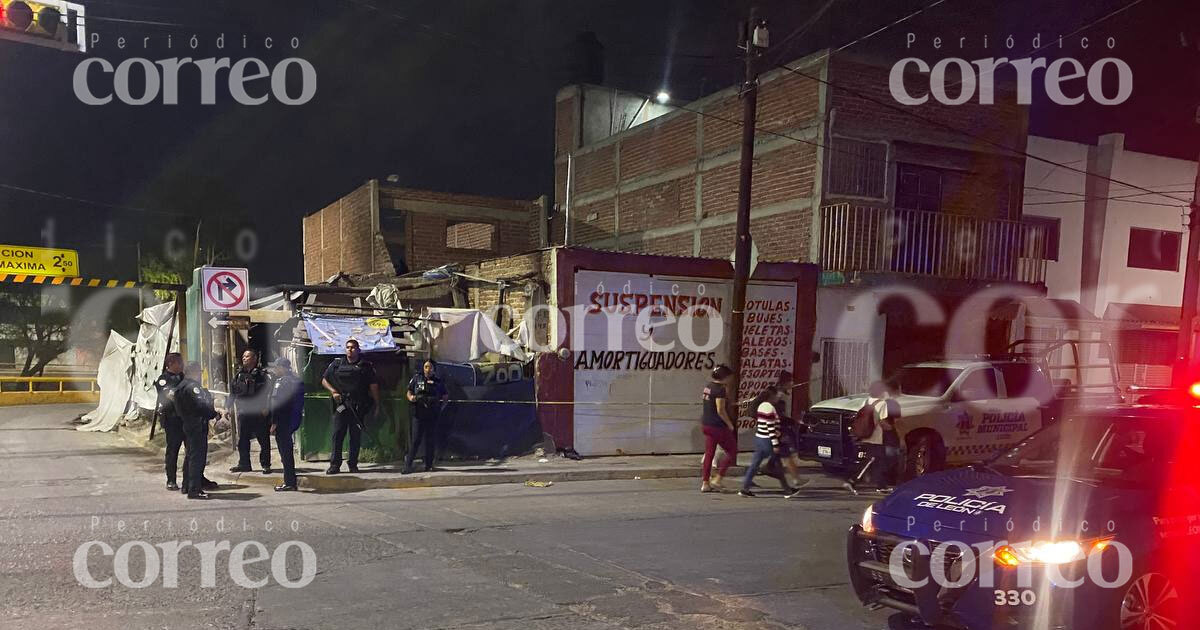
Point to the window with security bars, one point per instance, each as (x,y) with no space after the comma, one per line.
(844,368)
(857,168)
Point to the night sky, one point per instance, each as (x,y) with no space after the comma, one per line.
(458,96)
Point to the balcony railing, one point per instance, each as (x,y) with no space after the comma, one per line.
(884,240)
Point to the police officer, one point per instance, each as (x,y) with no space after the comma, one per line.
(352,382)
(194,406)
(428,394)
(287,411)
(171,423)
(250,405)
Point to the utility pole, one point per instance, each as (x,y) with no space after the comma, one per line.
(1185,355)
(754,42)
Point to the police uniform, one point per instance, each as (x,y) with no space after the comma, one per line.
(428,392)
(194,406)
(353,381)
(171,423)
(249,398)
(286,403)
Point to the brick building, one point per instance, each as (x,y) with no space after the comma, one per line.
(843,177)
(385,229)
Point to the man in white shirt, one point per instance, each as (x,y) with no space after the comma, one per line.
(882,445)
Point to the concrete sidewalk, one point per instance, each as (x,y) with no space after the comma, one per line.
(528,468)
(473,473)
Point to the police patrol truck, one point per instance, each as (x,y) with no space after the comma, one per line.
(960,411)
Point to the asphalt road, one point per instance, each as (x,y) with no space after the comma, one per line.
(582,555)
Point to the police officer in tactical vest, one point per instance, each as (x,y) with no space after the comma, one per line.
(287,411)
(249,394)
(194,406)
(171,423)
(352,382)
(428,394)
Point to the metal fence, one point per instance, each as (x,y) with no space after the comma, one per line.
(871,239)
(32,390)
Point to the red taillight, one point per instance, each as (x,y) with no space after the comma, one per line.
(1194,390)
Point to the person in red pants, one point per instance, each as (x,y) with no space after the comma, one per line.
(716,421)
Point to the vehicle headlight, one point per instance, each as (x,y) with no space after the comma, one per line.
(868,524)
(1047,551)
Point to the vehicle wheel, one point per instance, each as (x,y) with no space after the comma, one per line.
(1150,602)
(924,456)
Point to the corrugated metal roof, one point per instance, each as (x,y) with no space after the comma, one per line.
(1142,313)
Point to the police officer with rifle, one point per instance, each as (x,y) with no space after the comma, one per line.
(354,387)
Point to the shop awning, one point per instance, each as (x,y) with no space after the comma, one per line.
(1143,315)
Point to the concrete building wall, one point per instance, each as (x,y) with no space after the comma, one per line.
(1119,281)
(1059,193)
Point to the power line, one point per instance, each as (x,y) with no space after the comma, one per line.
(939,124)
(91,202)
(1071,34)
(781,47)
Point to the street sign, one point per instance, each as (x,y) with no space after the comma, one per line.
(753,258)
(39,261)
(225,288)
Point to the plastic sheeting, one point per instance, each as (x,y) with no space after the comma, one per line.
(150,350)
(329,334)
(468,334)
(489,429)
(113,378)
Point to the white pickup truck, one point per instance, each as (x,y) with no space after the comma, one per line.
(962,410)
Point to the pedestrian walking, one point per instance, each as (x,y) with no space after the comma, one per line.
(874,426)
(194,406)
(286,413)
(716,422)
(249,393)
(766,438)
(428,394)
(785,464)
(352,383)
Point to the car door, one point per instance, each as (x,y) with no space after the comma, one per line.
(985,420)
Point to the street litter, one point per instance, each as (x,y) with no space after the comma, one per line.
(539,484)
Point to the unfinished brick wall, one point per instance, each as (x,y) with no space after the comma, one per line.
(669,186)
(675,178)
(980,179)
(340,238)
(525,271)
(436,229)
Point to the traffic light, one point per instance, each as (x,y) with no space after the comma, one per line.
(54,23)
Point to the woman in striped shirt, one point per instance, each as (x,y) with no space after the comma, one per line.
(766,437)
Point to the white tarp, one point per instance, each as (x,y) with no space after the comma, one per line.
(468,334)
(150,350)
(113,378)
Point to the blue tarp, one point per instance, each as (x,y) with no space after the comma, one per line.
(329,334)
(488,429)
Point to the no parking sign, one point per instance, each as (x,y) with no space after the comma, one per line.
(225,288)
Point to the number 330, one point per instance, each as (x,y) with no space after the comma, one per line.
(1015,598)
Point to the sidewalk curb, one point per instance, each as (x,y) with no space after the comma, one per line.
(349,482)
